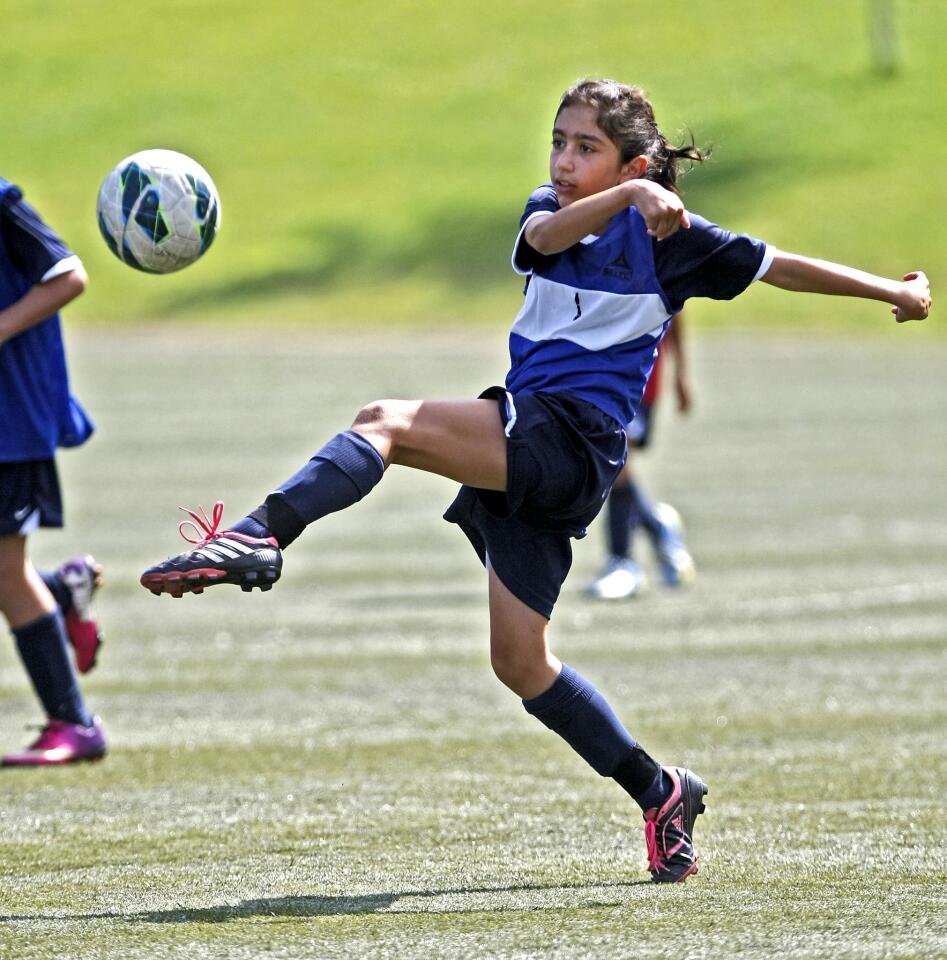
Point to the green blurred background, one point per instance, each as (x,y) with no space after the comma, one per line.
(373,157)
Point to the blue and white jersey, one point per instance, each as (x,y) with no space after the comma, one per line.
(594,314)
(37,411)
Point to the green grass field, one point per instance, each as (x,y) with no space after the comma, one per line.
(373,159)
(330,770)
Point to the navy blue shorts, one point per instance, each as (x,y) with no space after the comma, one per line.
(563,455)
(29,496)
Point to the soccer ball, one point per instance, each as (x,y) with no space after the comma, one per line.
(158,211)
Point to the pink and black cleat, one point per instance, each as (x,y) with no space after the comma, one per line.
(668,829)
(225,556)
(61,742)
(82,577)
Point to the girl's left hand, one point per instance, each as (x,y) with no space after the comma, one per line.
(916,302)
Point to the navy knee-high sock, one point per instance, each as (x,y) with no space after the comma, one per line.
(338,475)
(44,650)
(574,709)
(622,520)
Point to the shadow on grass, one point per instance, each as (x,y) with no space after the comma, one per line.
(335,906)
(465,247)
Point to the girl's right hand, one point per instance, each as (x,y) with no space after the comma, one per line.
(915,304)
(662,209)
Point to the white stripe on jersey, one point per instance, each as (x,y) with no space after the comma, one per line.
(593,319)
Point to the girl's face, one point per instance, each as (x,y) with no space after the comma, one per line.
(583,160)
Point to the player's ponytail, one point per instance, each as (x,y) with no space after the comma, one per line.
(665,160)
(626,116)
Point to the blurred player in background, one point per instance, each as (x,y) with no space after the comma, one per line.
(49,611)
(629,508)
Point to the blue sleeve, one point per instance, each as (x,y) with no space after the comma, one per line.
(706,261)
(542,200)
(33,246)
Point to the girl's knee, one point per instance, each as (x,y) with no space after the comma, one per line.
(524,672)
(508,670)
(386,416)
(374,414)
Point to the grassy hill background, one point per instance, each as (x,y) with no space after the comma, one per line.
(373,157)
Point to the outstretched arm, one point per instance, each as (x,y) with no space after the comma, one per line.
(910,298)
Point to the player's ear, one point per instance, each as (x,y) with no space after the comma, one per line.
(634,168)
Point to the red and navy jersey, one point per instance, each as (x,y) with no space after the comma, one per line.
(37,411)
(593,315)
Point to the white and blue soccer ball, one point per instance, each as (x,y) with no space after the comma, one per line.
(158,211)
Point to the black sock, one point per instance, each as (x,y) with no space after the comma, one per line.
(641,776)
(273,518)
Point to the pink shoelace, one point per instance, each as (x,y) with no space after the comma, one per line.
(205,527)
(655,857)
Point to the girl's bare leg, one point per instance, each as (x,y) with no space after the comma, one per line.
(519,646)
(23,595)
(462,440)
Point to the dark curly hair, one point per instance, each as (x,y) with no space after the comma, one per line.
(626,116)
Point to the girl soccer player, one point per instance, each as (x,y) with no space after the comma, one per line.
(607,267)
(39,274)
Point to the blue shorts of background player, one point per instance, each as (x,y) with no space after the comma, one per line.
(46,611)
(629,508)
(610,255)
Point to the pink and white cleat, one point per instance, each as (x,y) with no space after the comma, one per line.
(61,742)
(82,577)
